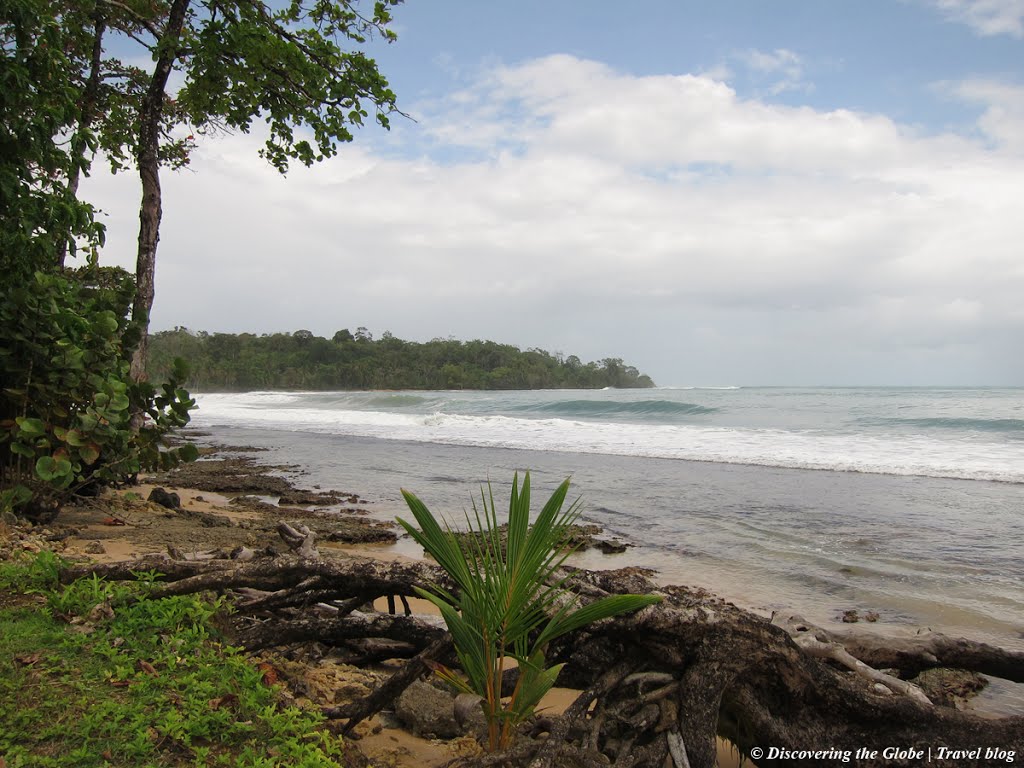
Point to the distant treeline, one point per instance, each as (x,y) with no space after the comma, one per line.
(300,360)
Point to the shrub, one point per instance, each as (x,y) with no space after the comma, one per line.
(67,403)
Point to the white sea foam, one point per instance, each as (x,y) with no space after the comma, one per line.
(965,457)
(699,387)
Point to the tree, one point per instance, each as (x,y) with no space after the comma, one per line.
(242,60)
(287,64)
(38,102)
(64,340)
(282,360)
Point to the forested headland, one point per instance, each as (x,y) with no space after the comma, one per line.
(301,360)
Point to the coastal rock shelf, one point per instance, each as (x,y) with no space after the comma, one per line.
(656,686)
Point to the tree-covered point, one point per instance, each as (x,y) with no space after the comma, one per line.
(300,360)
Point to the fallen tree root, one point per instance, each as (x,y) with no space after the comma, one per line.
(658,684)
(335,630)
(803,635)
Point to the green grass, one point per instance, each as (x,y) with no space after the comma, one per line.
(151,685)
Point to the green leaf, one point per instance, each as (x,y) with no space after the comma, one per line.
(535,682)
(30,427)
(188,452)
(46,468)
(507,591)
(605,608)
(118,402)
(89,453)
(23,450)
(105,323)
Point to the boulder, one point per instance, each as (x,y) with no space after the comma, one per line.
(165,499)
(427,711)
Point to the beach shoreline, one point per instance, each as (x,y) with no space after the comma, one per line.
(133,527)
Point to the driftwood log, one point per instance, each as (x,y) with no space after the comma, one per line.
(657,686)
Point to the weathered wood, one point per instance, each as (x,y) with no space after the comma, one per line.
(299,539)
(933,649)
(407,629)
(820,646)
(913,655)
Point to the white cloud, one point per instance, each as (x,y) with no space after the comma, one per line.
(661,219)
(562,103)
(1003,117)
(780,63)
(986,17)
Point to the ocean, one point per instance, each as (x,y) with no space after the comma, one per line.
(904,501)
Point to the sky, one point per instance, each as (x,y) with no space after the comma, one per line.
(729,193)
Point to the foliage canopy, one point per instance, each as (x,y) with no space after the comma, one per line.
(300,360)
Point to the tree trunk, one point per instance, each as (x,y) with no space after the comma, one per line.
(85,120)
(150,212)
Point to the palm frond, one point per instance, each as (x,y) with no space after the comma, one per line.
(505,597)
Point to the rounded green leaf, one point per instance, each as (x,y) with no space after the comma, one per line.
(46,468)
(22,450)
(105,323)
(89,453)
(31,427)
(118,402)
(188,452)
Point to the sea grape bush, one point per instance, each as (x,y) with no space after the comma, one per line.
(67,401)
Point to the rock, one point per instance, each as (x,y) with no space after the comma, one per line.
(95,548)
(881,689)
(242,554)
(354,530)
(949,687)
(469,714)
(300,498)
(611,547)
(41,510)
(229,475)
(427,711)
(100,612)
(208,519)
(165,499)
